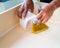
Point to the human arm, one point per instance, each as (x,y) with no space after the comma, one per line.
(47,11)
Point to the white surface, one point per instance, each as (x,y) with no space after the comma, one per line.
(47,39)
(1,35)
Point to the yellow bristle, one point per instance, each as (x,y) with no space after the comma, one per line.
(37,28)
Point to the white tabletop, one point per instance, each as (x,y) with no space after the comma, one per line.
(18,38)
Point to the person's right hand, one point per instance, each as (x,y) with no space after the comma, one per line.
(26,5)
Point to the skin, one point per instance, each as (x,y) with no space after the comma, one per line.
(26,5)
(44,15)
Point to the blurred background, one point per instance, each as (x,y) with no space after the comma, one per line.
(10,3)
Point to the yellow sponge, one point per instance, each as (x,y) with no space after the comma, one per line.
(37,28)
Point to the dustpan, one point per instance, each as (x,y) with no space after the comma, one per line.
(29,16)
(36,28)
(24,22)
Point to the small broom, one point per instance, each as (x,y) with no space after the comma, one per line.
(37,28)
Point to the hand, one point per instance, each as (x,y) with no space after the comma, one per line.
(26,5)
(45,14)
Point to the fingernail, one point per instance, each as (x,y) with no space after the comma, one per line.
(22,17)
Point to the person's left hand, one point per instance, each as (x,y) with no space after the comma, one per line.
(26,5)
(45,14)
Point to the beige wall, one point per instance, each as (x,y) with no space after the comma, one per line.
(8,19)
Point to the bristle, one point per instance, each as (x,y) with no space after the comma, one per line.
(37,28)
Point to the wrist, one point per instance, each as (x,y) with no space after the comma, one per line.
(28,0)
(55,4)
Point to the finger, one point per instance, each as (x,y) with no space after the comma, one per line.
(39,21)
(45,20)
(25,13)
(43,17)
(32,9)
(20,11)
(39,15)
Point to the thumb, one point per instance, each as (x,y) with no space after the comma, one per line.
(24,13)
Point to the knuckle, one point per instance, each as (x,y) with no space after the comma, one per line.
(19,10)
